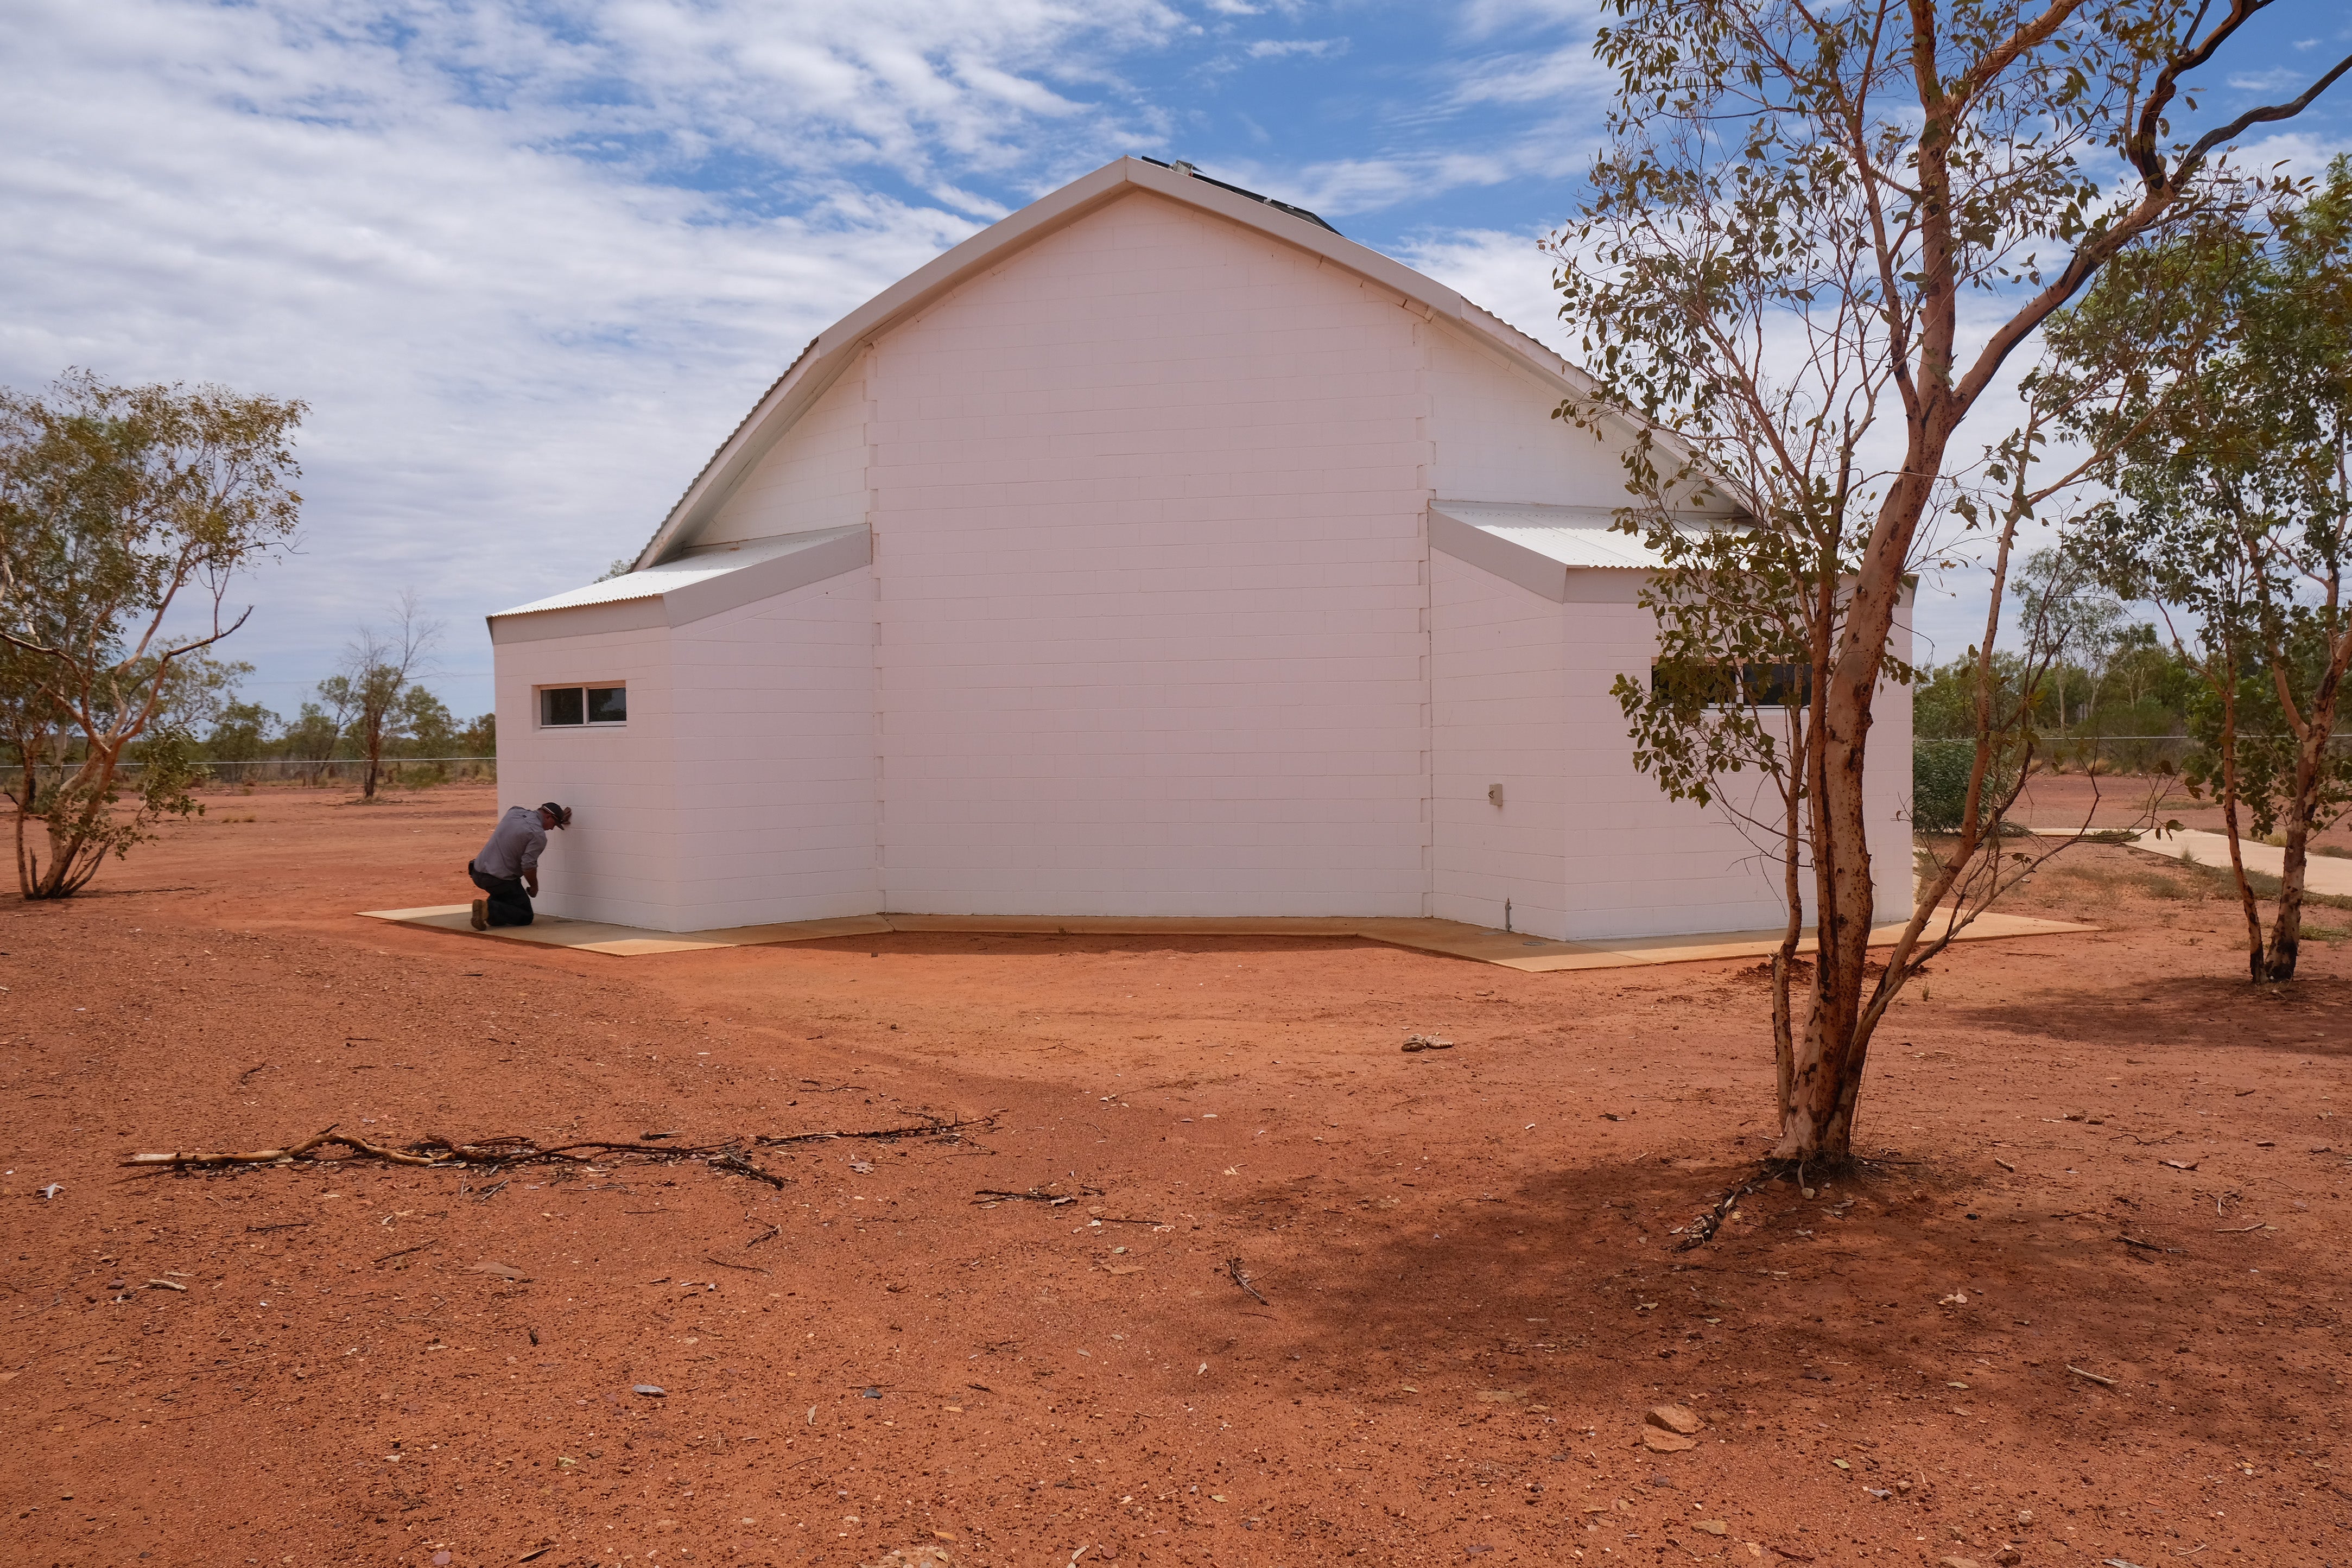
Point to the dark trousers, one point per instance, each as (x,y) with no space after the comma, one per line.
(508,904)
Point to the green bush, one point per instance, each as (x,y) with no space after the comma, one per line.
(1939,785)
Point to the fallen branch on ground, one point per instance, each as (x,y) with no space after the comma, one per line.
(507,1152)
(992,1195)
(2147,1245)
(1701,1231)
(928,1127)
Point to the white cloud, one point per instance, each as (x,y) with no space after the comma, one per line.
(1296,49)
(1503,272)
(528,267)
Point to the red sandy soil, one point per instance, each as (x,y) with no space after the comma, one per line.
(1472,1291)
(2077,800)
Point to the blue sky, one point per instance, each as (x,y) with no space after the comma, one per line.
(529,262)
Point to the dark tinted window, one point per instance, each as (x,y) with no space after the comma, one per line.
(608,704)
(560,705)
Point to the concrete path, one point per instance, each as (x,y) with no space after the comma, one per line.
(1454,938)
(2330,874)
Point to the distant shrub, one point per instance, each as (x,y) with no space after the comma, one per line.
(1939,784)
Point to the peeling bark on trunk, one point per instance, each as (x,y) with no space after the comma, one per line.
(2318,727)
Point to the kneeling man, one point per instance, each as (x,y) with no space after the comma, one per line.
(508,867)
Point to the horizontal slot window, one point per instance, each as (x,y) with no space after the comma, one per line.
(572,708)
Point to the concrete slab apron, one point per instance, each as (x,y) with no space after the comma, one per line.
(1452,938)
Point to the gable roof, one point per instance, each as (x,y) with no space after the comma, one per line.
(832,352)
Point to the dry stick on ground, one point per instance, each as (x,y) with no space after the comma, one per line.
(773,1232)
(747,1268)
(741,1166)
(502,1153)
(1700,1231)
(1241,1277)
(916,1130)
(991,1194)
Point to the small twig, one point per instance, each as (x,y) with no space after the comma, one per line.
(2101,1382)
(747,1268)
(773,1231)
(915,1129)
(1106,1220)
(991,1194)
(289,1225)
(1241,1277)
(2239,1230)
(2149,1246)
(741,1166)
(2004,1164)
(405,1252)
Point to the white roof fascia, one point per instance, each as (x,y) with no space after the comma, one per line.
(835,349)
(691,588)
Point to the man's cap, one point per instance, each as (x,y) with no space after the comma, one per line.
(561,814)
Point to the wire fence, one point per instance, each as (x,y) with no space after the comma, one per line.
(2141,754)
(412,772)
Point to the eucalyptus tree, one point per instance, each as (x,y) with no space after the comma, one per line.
(2234,510)
(372,694)
(125,515)
(1793,204)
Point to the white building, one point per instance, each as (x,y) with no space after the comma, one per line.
(1155,552)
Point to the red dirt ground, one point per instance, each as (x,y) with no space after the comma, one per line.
(1472,1294)
(2076,800)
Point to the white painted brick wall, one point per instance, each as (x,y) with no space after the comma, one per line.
(742,789)
(814,478)
(1495,439)
(1152,629)
(1499,700)
(619,860)
(776,784)
(1148,533)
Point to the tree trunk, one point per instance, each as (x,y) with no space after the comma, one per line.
(374,758)
(2254,967)
(2310,772)
(1818,1123)
(71,859)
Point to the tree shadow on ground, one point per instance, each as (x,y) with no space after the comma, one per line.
(2193,1012)
(1876,1301)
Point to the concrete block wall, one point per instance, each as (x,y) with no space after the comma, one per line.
(776,785)
(1499,704)
(619,860)
(1494,439)
(814,478)
(1148,534)
(741,791)
(1153,628)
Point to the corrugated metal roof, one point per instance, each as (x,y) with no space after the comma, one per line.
(1573,536)
(684,571)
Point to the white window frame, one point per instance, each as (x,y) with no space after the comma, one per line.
(539,703)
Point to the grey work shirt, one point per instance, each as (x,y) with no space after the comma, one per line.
(515,845)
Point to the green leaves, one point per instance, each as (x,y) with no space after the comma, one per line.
(124,514)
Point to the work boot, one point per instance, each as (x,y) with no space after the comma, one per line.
(481,914)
